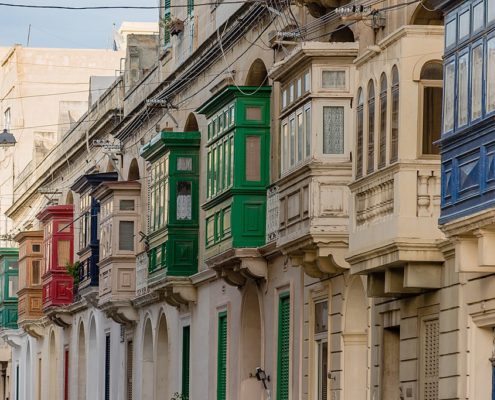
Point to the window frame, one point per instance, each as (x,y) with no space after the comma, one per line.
(449,61)
(360,133)
(383,120)
(487,112)
(465,52)
(394,90)
(370,124)
(475,45)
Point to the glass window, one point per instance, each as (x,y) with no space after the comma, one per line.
(13,286)
(321,348)
(333,79)
(450,33)
(449,95)
(299,88)
(491,10)
(432,121)
(382,146)
(307,127)
(307,82)
(359,133)
(394,120)
(463,89)
(253,113)
(477,82)
(333,130)
(490,79)
(36,248)
(285,145)
(292,132)
(184,164)
(284,98)
(184,201)
(479,15)
(36,268)
(126,235)
(371,127)
(300,136)
(63,252)
(253,158)
(127,205)
(291,93)
(464,24)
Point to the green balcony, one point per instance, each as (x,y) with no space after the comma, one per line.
(9,281)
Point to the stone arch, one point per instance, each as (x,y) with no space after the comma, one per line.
(133,174)
(257,74)
(251,350)
(53,367)
(28,382)
(148,366)
(342,34)
(92,364)
(162,359)
(355,338)
(81,363)
(191,123)
(69,199)
(424,16)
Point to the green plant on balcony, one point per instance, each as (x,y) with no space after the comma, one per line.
(179,396)
(73,270)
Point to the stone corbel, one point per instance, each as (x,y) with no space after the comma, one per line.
(179,291)
(240,266)
(33,329)
(321,261)
(121,312)
(475,253)
(60,317)
(12,338)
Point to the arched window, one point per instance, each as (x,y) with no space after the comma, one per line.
(359,139)
(382,147)
(371,127)
(431,89)
(394,136)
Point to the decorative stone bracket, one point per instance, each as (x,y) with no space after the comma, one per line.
(179,290)
(236,266)
(121,312)
(11,337)
(33,329)
(320,261)
(475,252)
(60,316)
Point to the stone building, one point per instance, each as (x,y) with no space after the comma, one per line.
(262,200)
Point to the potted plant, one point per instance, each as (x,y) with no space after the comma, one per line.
(73,270)
(173,24)
(179,396)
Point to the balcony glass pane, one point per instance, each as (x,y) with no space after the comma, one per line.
(449,95)
(126,235)
(184,201)
(491,10)
(477,82)
(479,15)
(450,33)
(13,286)
(464,24)
(36,268)
(463,89)
(490,79)
(300,137)
(307,127)
(333,79)
(63,252)
(253,158)
(333,130)
(292,131)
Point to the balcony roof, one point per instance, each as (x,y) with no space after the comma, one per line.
(167,140)
(108,188)
(90,181)
(56,212)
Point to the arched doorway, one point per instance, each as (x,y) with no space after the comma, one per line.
(162,360)
(52,376)
(133,171)
(251,347)
(342,34)
(28,383)
(81,364)
(148,364)
(355,337)
(191,123)
(91,367)
(426,16)
(257,75)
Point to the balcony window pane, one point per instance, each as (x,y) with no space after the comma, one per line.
(63,252)
(184,164)
(226,221)
(307,123)
(479,15)
(333,130)
(382,147)
(13,286)
(394,128)
(449,95)
(285,145)
(300,137)
(371,127)
(450,33)
(36,268)
(359,134)
(463,88)
(307,82)
(321,317)
(253,113)
(464,24)
(490,79)
(491,10)
(127,205)
(184,201)
(432,122)
(126,235)
(292,131)
(333,79)
(253,158)
(299,88)
(477,82)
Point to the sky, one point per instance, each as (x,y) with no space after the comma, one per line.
(68,29)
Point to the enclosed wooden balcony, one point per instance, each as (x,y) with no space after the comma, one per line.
(120,206)
(30,285)
(58,244)
(9,284)
(395,238)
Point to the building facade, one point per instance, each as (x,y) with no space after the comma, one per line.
(251,211)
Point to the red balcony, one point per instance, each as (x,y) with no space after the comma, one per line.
(58,244)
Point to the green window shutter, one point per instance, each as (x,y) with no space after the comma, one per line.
(186,343)
(166,19)
(190,7)
(222,357)
(283,347)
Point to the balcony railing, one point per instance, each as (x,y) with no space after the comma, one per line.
(272,214)
(142,273)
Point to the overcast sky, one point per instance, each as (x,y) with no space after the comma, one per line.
(64,28)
